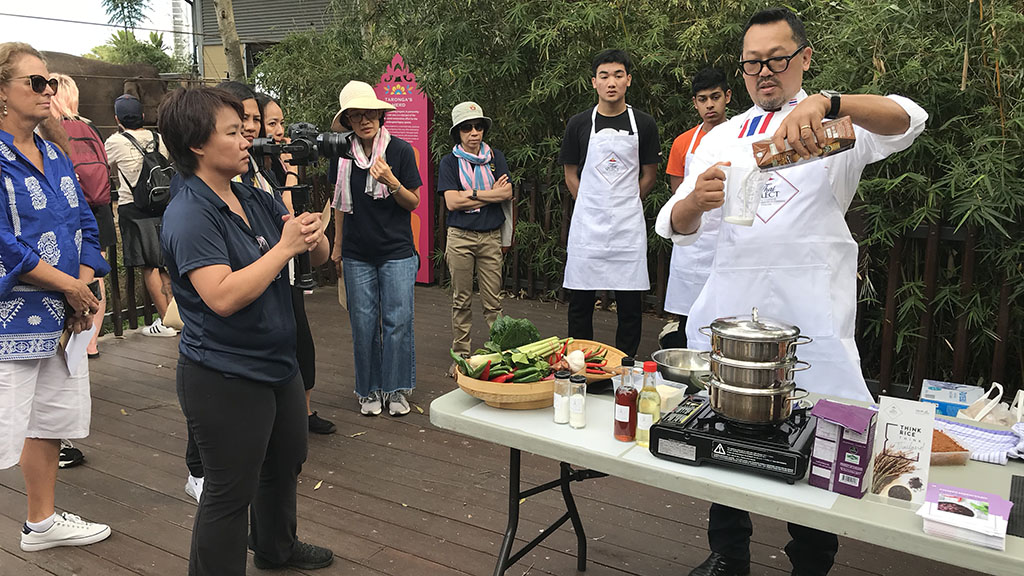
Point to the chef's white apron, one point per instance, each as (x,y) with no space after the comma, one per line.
(691,265)
(607,246)
(797,263)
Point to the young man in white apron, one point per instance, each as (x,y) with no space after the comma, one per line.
(610,154)
(691,265)
(798,261)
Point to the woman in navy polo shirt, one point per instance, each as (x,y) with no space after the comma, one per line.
(375,192)
(227,246)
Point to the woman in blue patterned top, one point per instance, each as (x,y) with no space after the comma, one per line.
(49,252)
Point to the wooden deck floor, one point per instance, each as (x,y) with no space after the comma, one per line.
(398,497)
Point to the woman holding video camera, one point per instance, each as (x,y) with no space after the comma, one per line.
(375,191)
(227,246)
(284,174)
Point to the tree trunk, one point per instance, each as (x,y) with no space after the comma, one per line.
(229,38)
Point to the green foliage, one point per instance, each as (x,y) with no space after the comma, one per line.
(528,65)
(124,48)
(127,13)
(508,332)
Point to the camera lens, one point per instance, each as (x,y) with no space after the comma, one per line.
(333,145)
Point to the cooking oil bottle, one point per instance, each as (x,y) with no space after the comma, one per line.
(649,405)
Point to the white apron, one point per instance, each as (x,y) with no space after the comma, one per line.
(797,263)
(691,265)
(607,246)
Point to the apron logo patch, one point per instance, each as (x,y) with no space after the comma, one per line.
(777,192)
(611,168)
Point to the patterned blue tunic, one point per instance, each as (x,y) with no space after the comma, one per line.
(44,217)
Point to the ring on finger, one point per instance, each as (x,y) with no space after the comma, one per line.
(805,127)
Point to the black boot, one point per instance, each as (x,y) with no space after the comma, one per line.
(718,565)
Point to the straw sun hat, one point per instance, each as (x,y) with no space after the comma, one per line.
(360,96)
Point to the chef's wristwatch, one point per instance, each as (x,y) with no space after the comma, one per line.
(833,97)
(473,195)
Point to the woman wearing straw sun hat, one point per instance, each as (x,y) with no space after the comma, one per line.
(375,192)
(474,180)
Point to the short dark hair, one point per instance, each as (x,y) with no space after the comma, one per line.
(611,56)
(188,116)
(708,79)
(778,14)
(238,90)
(262,100)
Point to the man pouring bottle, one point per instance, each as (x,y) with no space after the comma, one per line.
(798,261)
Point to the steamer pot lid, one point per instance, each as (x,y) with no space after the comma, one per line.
(754,328)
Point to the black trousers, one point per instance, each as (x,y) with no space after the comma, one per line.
(629,306)
(812,552)
(675,339)
(305,353)
(251,437)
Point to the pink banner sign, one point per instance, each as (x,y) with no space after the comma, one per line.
(410,121)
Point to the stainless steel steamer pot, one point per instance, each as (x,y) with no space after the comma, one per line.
(747,406)
(755,375)
(754,338)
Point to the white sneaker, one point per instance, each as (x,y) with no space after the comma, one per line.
(194,487)
(67,530)
(158,329)
(370,405)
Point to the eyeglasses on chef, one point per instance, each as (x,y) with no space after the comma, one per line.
(777,64)
(39,83)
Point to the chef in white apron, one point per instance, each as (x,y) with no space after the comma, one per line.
(691,264)
(798,261)
(607,244)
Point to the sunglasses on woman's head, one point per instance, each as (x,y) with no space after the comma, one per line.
(39,83)
(467,127)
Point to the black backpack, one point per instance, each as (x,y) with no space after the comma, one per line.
(152,191)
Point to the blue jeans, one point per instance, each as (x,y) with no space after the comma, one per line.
(380,309)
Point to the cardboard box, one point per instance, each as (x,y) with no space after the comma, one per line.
(949,398)
(843,440)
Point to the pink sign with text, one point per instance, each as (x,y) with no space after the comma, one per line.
(410,121)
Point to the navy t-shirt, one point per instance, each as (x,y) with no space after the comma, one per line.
(380,230)
(258,341)
(576,140)
(490,217)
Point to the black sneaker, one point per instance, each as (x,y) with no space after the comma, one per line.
(318,425)
(304,557)
(69,455)
(718,565)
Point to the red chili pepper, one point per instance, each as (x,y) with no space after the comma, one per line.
(596,364)
(595,371)
(486,374)
(504,377)
(561,351)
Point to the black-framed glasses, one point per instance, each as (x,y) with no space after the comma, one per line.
(39,83)
(467,127)
(355,116)
(777,65)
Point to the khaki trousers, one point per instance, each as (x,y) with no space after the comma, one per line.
(468,251)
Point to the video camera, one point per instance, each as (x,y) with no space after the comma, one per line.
(307,145)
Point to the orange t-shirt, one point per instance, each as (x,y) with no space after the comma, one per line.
(680,146)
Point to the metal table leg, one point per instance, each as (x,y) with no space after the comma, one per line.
(567,475)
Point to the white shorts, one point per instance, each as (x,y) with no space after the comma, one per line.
(40,399)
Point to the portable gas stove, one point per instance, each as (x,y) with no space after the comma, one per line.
(693,434)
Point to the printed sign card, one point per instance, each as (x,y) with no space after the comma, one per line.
(903,450)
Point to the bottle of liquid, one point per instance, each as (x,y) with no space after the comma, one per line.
(578,401)
(649,406)
(561,403)
(626,395)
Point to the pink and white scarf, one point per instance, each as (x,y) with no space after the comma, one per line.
(343,187)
